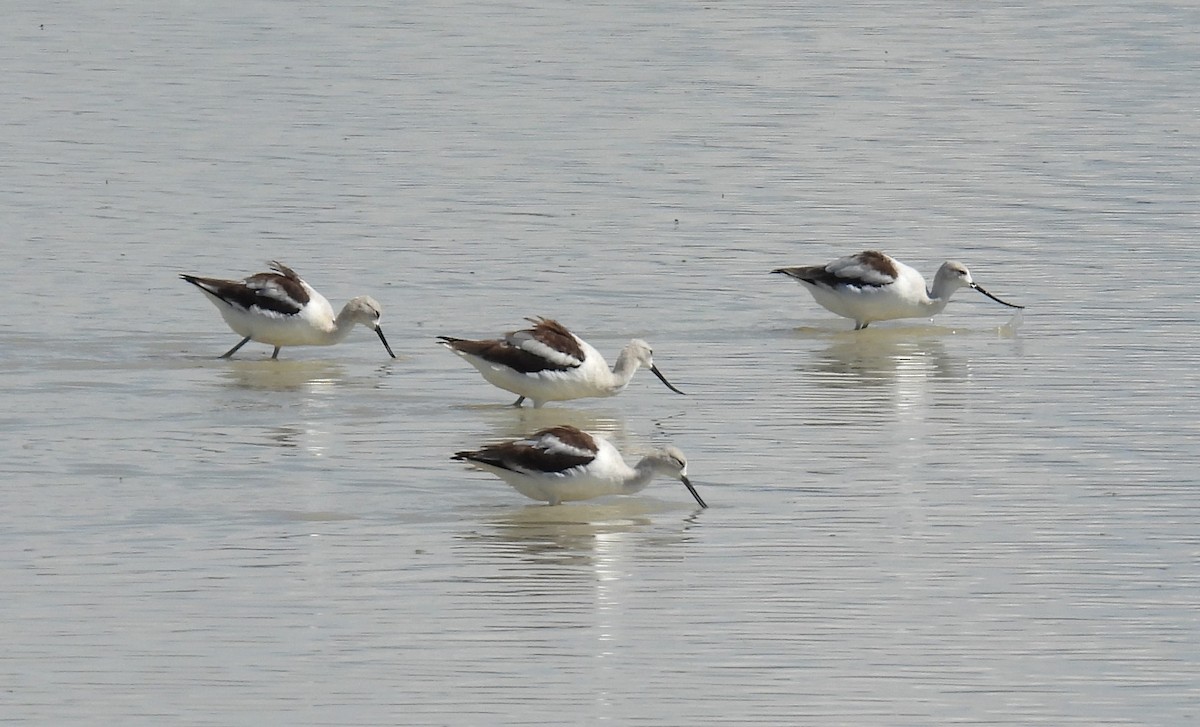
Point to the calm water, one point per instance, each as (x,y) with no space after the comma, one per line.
(983,519)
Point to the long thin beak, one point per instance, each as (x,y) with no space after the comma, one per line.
(385,343)
(688,484)
(663,379)
(978,287)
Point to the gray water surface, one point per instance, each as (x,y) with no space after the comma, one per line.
(987,518)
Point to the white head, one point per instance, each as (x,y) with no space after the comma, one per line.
(951,276)
(366,311)
(638,353)
(954,275)
(671,462)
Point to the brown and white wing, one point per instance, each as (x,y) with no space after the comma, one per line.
(549,451)
(549,340)
(272,294)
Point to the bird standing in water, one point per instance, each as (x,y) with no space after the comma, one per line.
(563,463)
(280,309)
(872,286)
(549,363)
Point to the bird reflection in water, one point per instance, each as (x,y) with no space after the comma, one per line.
(582,532)
(283,375)
(881,356)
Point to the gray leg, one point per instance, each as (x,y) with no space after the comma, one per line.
(275,355)
(233,350)
(520,400)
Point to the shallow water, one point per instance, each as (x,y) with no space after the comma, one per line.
(988,518)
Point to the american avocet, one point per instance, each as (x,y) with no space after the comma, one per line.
(549,363)
(563,463)
(872,286)
(280,309)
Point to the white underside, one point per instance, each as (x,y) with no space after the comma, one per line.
(554,488)
(591,379)
(312,326)
(901,299)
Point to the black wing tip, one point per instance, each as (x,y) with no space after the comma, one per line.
(475,457)
(796,273)
(199,282)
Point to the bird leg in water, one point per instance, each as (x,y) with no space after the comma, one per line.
(233,350)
